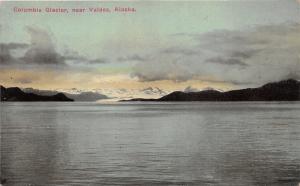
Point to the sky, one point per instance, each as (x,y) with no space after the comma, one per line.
(163,46)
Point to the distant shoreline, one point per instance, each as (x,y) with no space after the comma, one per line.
(286,90)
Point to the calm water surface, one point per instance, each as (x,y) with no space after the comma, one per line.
(150,144)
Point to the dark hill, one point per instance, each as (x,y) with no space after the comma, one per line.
(16,94)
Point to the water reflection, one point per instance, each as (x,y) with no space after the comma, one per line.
(31,144)
(150,144)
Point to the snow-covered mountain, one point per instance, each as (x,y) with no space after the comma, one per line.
(192,89)
(74,94)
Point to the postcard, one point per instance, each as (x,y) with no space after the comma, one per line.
(150,93)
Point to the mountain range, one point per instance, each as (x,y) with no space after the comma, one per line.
(16,94)
(286,90)
(80,96)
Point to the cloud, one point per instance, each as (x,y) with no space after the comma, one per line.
(79,59)
(153,91)
(178,50)
(5,55)
(134,57)
(5,52)
(243,54)
(75,57)
(230,61)
(13,46)
(254,56)
(42,50)
(97,61)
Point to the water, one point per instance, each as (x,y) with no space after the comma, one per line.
(150,143)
